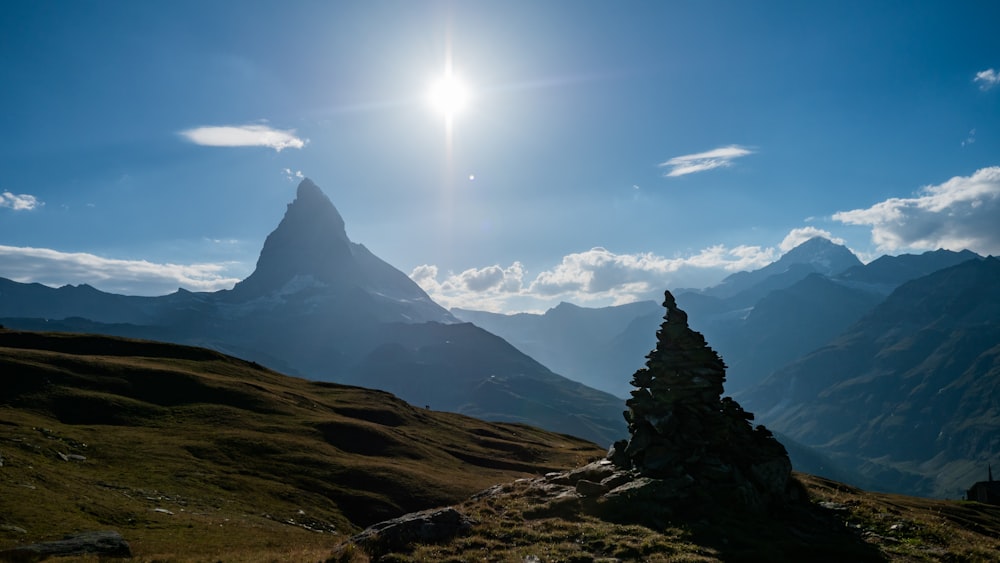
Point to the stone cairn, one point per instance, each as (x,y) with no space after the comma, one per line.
(684,434)
(691,453)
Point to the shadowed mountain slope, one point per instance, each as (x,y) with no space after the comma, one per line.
(320,306)
(908,395)
(597,347)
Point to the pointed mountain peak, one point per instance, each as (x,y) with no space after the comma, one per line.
(313,213)
(309,190)
(310,241)
(826,256)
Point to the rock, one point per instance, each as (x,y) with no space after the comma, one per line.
(427,526)
(102,544)
(772,475)
(590,488)
(617,455)
(595,471)
(617,479)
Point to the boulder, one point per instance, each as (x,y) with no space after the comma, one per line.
(101,543)
(427,526)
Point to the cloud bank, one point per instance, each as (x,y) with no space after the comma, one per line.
(19,202)
(244,136)
(717,158)
(595,277)
(129,277)
(987,78)
(962,213)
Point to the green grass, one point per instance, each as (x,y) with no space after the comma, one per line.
(520,525)
(193,454)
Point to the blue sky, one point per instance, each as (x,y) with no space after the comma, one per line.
(607,150)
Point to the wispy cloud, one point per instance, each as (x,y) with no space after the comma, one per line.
(708,160)
(130,277)
(292,175)
(987,78)
(19,202)
(970,139)
(962,213)
(244,136)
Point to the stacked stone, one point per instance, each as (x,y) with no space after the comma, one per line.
(683,431)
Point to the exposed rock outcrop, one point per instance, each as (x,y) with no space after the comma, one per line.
(102,544)
(427,526)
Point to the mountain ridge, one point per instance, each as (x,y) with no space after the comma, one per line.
(321,306)
(905,394)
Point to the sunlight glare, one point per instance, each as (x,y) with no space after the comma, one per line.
(448,95)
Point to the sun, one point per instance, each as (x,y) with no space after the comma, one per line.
(448,95)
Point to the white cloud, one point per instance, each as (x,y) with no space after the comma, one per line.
(19,202)
(130,277)
(596,277)
(796,237)
(962,213)
(292,176)
(244,136)
(484,288)
(700,162)
(987,78)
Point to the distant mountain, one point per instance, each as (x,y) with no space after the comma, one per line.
(787,323)
(769,324)
(309,254)
(758,321)
(755,327)
(321,306)
(600,347)
(908,395)
(886,273)
(816,255)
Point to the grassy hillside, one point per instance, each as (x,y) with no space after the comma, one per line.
(518,522)
(193,454)
(196,456)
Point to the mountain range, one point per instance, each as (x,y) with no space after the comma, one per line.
(833,354)
(800,333)
(321,306)
(909,394)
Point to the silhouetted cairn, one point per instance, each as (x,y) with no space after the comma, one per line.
(690,446)
(691,452)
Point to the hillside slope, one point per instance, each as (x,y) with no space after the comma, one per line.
(519,522)
(909,394)
(163,442)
